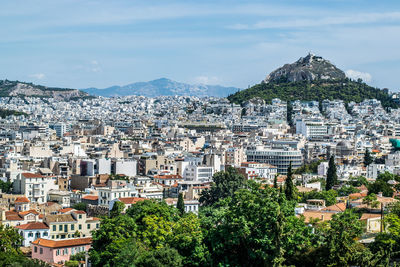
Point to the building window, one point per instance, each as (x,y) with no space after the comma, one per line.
(88,226)
(41,250)
(72,227)
(80,227)
(30,234)
(45,234)
(80,216)
(60,228)
(57,252)
(35,249)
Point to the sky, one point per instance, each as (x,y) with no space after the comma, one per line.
(81,44)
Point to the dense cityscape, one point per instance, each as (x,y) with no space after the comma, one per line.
(199,133)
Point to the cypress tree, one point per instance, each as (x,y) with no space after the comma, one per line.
(276,181)
(331,177)
(289,188)
(367,158)
(181,204)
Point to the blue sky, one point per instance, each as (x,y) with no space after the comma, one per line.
(81,44)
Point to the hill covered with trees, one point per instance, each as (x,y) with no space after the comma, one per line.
(317,90)
(312,78)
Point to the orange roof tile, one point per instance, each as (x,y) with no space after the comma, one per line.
(32,175)
(130,200)
(21,200)
(338,207)
(66,210)
(62,243)
(32,226)
(90,197)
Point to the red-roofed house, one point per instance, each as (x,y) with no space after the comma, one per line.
(128,201)
(32,231)
(59,251)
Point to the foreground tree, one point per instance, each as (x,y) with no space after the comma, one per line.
(238,236)
(181,204)
(331,177)
(225,184)
(117,209)
(289,186)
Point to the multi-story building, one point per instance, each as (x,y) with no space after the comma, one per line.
(115,189)
(34,186)
(281,158)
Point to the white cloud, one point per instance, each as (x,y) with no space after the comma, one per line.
(206,80)
(38,76)
(354,74)
(322,21)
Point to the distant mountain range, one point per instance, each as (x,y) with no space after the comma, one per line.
(312,78)
(163,87)
(24,89)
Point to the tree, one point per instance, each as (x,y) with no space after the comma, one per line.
(181,204)
(117,209)
(5,187)
(371,200)
(289,186)
(329,196)
(225,184)
(276,181)
(380,186)
(340,247)
(110,238)
(367,157)
(289,113)
(331,177)
(238,236)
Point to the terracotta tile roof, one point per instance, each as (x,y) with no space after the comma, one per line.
(367,216)
(323,216)
(130,200)
(13,216)
(63,243)
(32,226)
(21,200)
(24,213)
(90,197)
(79,212)
(66,210)
(32,175)
(338,207)
(60,218)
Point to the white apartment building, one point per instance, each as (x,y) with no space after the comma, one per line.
(198,173)
(34,186)
(126,167)
(311,128)
(115,189)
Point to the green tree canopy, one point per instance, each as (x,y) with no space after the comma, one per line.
(225,184)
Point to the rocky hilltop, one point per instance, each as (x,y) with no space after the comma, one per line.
(17,88)
(312,78)
(306,68)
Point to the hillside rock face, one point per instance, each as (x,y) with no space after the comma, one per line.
(306,68)
(16,88)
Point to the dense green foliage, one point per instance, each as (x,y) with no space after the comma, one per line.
(117,209)
(181,204)
(5,187)
(6,112)
(308,168)
(381,184)
(331,176)
(329,196)
(252,225)
(225,184)
(344,89)
(289,186)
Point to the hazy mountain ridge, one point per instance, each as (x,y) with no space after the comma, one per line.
(17,88)
(163,87)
